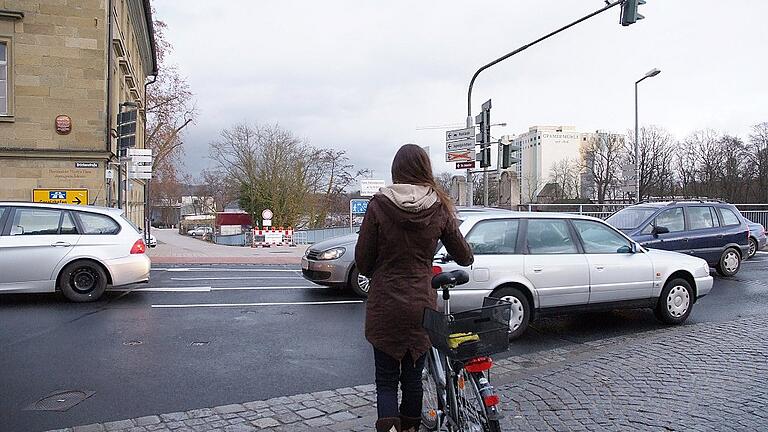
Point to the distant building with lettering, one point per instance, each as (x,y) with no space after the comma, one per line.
(66,69)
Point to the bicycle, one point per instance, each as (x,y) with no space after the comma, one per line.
(458,396)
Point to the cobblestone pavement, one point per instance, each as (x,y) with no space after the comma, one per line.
(710,376)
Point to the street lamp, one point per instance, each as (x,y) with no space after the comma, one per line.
(651,73)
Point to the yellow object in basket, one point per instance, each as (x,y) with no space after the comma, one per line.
(456,339)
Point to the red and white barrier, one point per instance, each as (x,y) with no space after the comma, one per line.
(269,237)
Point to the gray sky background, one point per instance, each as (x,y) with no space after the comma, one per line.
(365,75)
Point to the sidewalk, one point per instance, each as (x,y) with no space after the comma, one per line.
(174,248)
(702,377)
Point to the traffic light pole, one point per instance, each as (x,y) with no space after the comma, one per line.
(506,56)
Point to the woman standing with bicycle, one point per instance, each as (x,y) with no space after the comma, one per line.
(395,248)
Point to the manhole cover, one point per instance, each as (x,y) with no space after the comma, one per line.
(61,400)
(132,343)
(199,343)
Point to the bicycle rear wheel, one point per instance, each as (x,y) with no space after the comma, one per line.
(433,402)
(473,416)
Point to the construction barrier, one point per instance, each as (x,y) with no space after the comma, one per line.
(271,237)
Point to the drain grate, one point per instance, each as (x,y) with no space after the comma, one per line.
(202,343)
(133,343)
(60,400)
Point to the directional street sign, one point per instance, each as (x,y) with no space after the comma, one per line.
(139,175)
(61,196)
(465,165)
(369,187)
(460,156)
(465,144)
(460,134)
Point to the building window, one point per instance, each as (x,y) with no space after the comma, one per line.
(3,78)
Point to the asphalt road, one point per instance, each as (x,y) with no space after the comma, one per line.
(200,336)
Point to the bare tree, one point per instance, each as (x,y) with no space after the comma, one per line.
(220,188)
(565,174)
(758,158)
(601,157)
(329,177)
(444,180)
(656,150)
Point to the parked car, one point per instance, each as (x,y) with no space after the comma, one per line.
(713,231)
(552,263)
(152,241)
(332,262)
(73,249)
(200,231)
(758,238)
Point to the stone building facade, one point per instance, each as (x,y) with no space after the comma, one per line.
(66,68)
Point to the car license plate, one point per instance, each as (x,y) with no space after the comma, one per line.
(304,264)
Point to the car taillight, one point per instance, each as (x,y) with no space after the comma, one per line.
(436,270)
(139,247)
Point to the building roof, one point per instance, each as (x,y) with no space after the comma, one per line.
(151,31)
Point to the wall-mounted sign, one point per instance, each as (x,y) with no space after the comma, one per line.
(61,196)
(86,164)
(63,125)
(465,165)
(369,187)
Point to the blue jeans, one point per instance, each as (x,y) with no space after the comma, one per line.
(389,373)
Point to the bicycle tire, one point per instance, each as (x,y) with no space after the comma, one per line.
(434,398)
(473,415)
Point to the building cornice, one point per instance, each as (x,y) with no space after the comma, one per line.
(11,14)
(26,153)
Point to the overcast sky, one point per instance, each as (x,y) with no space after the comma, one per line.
(368,76)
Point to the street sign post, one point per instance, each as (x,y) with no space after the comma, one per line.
(61,196)
(357,209)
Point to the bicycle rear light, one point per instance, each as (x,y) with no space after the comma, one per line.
(491,400)
(480,364)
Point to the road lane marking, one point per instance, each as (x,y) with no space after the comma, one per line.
(164,289)
(234,278)
(268,288)
(219,305)
(214,269)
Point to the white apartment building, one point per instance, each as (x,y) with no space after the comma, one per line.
(540,149)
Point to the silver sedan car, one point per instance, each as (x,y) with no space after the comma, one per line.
(77,250)
(332,262)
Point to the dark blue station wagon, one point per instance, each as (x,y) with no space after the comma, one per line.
(713,231)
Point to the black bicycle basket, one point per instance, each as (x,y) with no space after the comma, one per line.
(483,331)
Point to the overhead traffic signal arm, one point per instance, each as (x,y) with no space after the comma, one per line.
(629,13)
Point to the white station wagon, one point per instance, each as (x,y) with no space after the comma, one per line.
(554,263)
(78,250)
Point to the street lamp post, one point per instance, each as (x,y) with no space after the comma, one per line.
(652,73)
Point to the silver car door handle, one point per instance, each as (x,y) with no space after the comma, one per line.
(62,244)
(600,268)
(537,269)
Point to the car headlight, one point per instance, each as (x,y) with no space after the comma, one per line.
(331,254)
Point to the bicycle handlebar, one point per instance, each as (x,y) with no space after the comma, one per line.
(456,277)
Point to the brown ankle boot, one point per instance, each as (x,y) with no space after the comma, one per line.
(410,424)
(388,424)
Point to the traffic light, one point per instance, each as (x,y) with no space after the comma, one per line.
(629,13)
(484,121)
(484,156)
(126,131)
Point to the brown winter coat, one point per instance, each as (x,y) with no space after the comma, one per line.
(396,249)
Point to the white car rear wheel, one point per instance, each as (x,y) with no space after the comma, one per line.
(521,310)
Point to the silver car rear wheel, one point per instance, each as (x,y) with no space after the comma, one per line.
(675,302)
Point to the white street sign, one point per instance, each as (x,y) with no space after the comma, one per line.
(139,152)
(266,223)
(109,174)
(139,168)
(460,156)
(465,144)
(369,187)
(141,159)
(140,175)
(460,134)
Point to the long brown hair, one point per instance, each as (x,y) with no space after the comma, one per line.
(412,166)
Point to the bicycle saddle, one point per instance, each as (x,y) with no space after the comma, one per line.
(456,277)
